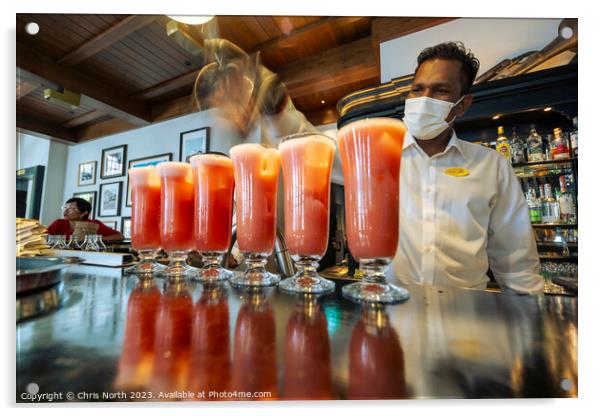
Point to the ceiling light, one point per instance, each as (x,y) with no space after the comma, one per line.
(63,97)
(547,109)
(192,20)
(323,102)
(496,117)
(32,28)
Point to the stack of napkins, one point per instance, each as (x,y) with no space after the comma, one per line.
(31,238)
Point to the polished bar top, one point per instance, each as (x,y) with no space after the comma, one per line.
(117,338)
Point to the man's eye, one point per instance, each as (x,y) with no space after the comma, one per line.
(416,89)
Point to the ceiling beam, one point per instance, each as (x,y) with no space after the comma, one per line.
(174,108)
(83,119)
(323,116)
(349,63)
(387,28)
(102,129)
(105,39)
(31,123)
(36,67)
(24,88)
(182,81)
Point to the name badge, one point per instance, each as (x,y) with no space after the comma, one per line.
(456,172)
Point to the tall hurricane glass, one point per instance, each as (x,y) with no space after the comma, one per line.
(145,184)
(371,155)
(177,216)
(307,164)
(256,170)
(213,203)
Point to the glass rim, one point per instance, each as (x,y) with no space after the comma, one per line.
(364,120)
(305,134)
(209,154)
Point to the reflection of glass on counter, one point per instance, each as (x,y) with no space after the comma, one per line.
(254,358)
(307,372)
(376,361)
(136,362)
(210,367)
(172,341)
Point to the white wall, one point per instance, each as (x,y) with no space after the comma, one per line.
(31,151)
(491,40)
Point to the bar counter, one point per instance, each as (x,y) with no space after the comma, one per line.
(117,338)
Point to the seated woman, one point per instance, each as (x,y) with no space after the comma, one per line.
(75,221)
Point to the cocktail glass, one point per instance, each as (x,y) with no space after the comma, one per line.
(177,216)
(306,163)
(370,155)
(145,184)
(256,170)
(213,193)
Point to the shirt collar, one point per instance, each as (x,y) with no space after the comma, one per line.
(453,142)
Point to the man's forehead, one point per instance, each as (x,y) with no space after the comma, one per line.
(439,71)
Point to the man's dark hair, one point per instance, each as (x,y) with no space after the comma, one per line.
(457,52)
(82,205)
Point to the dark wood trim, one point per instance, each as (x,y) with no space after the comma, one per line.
(102,129)
(24,88)
(83,119)
(29,122)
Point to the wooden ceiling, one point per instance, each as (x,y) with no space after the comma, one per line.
(130,73)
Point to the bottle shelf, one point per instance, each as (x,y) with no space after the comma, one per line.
(546,162)
(554,226)
(555,244)
(547,257)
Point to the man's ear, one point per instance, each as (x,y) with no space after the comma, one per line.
(463,105)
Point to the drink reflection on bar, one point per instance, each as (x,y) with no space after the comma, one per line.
(210,365)
(254,353)
(376,362)
(307,371)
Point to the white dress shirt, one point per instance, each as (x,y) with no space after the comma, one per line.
(452,228)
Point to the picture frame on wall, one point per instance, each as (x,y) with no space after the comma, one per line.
(193,142)
(112,163)
(89,196)
(145,161)
(109,201)
(111,224)
(126,227)
(86,173)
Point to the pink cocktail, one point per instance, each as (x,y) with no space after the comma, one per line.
(307,163)
(145,184)
(256,170)
(371,155)
(213,193)
(177,215)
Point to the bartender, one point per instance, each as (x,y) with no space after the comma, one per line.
(76,222)
(462,210)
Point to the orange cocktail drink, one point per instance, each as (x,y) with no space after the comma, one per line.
(256,170)
(307,164)
(371,155)
(213,203)
(177,215)
(145,185)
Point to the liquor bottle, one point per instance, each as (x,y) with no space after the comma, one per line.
(534,146)
(550,207)
(534,205)
(502,145)
(568,213)
(574,137)
(559,145)
(518,155)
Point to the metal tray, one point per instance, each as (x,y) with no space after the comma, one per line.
(35,273)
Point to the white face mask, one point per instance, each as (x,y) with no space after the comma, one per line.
(425,117)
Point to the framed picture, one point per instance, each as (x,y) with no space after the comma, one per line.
(193,142)
(89,196)
(86,173)
(145,161)
(126,226)
(109,203)
(111,224)
(112,163)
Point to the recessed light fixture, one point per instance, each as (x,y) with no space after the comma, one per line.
(323,102)
(192,20)
(547,109)
(496,117)
(32,28)
(566,32)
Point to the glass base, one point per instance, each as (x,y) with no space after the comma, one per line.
(177,267)
(255,275)
(212,274)
(145,268)
(375,293)
(306,283)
